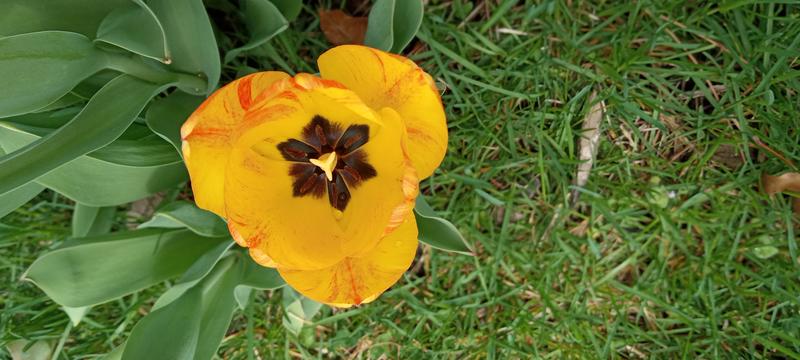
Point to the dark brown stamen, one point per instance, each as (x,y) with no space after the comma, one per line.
(321,137)
(294,150)
(353,138)
(350,174)
(338,194)
(309,180)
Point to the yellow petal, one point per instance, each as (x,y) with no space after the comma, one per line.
(386,80)
(306,231)
(357,280)
(207,135)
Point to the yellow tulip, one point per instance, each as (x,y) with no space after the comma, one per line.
(317,176)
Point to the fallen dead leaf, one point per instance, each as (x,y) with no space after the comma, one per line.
(776,184)
(340,28)
(143,209)
(786,182)
(587,146)
(729,156)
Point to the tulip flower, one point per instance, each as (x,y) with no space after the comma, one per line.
(317,176)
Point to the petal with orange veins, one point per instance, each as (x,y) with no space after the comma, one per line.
(358,280)
(385,80)
(207,135)
(286,208)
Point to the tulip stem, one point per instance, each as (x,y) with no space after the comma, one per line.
(195,84)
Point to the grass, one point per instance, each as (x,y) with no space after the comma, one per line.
(666,252)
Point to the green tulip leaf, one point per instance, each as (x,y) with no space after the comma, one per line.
(76,314)
(69,100)
(91,220)
(91,85)
(256,277)
(190,39)
(39,68)
(134,27)
(191,326)
(392,24)
(438,232)
(201,267)
(298,310)
(104,119)
(407,20)
(101,268)
(166,116)
(264,20)
(380,29)
(170,332)
(183,214)
(260,277)
(289,8)
(115,354)
(13,199)
(139,162)
(27,16)
(242,296)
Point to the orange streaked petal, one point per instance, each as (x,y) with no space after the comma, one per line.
(386,80)
(357,280)
(207,135)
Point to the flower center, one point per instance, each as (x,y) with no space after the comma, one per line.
(328,160)
(327,163)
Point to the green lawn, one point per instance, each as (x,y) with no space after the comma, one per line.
(669,251)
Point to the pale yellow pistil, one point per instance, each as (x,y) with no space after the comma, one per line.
(327,163)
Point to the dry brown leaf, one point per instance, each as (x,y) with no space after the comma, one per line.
(786,182)
(340,28)
(776,184)
(729,156)
(587,146)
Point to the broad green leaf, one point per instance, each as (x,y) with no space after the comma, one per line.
(393,24)
(380,31)
(218,306)
(183,214)
(438,232)
(260,277)
(103,120)
(91,85)
(256,277)
(289,8)
(39,68)
(140,165)
(264,20)
(166,116)
(192,326)
(298,310)
(68,100)
(115,354)
(134,27)
(190,39)
(242,296)
(168,333)
(101,268)
(22,350)
(407,20)
(91,220)
(26,16)
(76,314)
(13,199)
(201,267)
